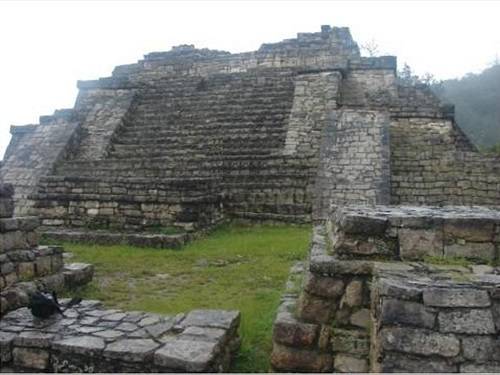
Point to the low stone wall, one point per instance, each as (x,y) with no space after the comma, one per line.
(436,320)
(127,204)
(26,267)
(89,338)
(414,233)
(330,315)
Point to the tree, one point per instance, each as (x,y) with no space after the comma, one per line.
(371,48)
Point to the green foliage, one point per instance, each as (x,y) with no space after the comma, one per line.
(236,267)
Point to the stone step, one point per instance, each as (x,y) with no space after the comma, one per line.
(90,338)
(29,263)
(71,276)
(102,237)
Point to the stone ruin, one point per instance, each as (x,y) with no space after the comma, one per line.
(304,130)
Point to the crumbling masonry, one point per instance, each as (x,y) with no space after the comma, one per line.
(304,130)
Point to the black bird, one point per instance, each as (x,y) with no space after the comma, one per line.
(43,306)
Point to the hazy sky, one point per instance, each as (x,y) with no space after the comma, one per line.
(47,46)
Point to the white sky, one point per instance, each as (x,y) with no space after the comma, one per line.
(45,47)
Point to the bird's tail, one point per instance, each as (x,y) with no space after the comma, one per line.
(73,302)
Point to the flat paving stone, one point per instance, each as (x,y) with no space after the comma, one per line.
(212,318)
(100,340)
(85,345)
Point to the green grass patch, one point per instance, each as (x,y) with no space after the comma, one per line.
(447,261)
(235,267)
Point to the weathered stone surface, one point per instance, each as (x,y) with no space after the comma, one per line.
(84,345)
(480,251)
(131,350)
(34,339)
(395,311)
(324,286)
(419,341)
(354,342)
(398,289)
(6,340)
(212,318)
(346,363)
(194,333)
(456,297)
(314,309)
(353,295)
(284,358)
(493,368)
(470,229)
(396,362)
(416,244)
(31,358)
(471,321)
(361,318)
(481,348)
(289,331)
(185,355)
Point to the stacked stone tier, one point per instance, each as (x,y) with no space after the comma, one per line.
(366,302)
(89,338)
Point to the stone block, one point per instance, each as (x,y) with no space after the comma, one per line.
(456,297)
(288,359)
(324,286)
(353,295)
(352,341)
(131,350)
(186,355)
(419,341)
(84,345)
(362,224)
(31,358)
(470,250)
(6,341)
(398,289)
(487,368)
(470,321)
(361,318)
(346,363)
(481,348)
(400,312)
(212,318)
(470,229)
(314,309)
(289,331)
(415,244)
(402,363)
(34,339)
(194,333)
(6,208)
(26,270)
(43,265)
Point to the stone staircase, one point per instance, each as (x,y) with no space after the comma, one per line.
(190,153)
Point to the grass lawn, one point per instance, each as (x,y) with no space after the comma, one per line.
(235,267)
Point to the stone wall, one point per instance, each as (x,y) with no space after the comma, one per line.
(354,162)
(34,153)
(431,164)
(89,338)
(428,322)
(347,312)
(25,266)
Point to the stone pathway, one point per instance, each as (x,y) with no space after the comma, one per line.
(90,338)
